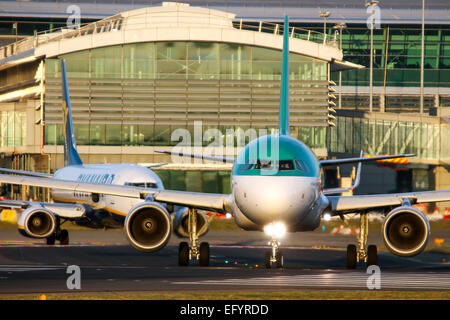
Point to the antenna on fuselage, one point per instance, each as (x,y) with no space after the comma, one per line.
(284,94)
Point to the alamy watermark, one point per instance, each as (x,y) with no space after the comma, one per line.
(373,282)
(74,19)
(373,20)
(214,142)
(74,280)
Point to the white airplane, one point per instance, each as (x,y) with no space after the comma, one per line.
(276,188)
(89,209)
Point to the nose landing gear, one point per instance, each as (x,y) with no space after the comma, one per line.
(274,256)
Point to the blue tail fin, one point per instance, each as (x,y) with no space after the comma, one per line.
(71,156)
(284,99)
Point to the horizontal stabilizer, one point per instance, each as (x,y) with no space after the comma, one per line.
(156,165)
(336,162)
(198,156)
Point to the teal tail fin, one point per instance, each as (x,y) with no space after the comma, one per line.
(71,156)
(284,99)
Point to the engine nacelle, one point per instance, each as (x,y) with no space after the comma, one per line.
(406,231)
(36,222)
(148,226)
(181,227)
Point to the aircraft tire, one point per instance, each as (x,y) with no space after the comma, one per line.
(351,256)
(372,258)
(267,259)
(64,237)
(51,240)
(280,260)
(183,254)
(204,254)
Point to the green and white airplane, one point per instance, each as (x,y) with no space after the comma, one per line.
(276,188)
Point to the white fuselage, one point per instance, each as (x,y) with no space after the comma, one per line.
(261,199)
(265,199)
(118,174)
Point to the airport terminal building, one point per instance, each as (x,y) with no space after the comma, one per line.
(138,71)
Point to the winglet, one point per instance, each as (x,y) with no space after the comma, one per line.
(71,156)
(284,95)
(352,188)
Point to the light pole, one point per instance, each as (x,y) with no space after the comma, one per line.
(422,58)
(340,26)
(324,15)
(371,4)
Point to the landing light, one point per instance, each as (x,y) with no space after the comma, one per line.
(275,230)
(327,217)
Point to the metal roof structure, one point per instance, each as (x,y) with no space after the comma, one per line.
(306,11)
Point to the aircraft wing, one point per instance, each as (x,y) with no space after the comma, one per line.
(13,204)
(118,190)
(335,162)
(198,156)
(27,173)
(64,210)
(342,204)
(206,201)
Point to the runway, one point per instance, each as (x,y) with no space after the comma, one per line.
(27,266)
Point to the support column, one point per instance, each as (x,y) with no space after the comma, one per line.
(442,182)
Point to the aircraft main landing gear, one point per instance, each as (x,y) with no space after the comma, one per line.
(61,235)
(188,252)
(365,253)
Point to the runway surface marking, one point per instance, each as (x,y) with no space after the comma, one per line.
(24,268)
(389,280)
(317,247)
(34,245)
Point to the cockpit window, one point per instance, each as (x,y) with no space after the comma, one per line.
(286,165)
(142,184)
(246,167)
(282,165)
(263,165)
(301,166)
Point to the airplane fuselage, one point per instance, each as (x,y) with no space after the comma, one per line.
(118,174)
(274,179)
(277,179)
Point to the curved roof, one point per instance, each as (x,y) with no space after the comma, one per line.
(173,22)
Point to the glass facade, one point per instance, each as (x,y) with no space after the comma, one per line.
(429,141)
(138,94)
(13,128)
(196,181)
(186,60)
(398,49)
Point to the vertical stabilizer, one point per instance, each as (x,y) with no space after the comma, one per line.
(284,95)
(71,156)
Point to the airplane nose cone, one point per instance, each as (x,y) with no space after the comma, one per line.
(267,199)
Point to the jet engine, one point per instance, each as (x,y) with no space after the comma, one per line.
(406,231)
(181,227)
(148,226)
(37,222)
